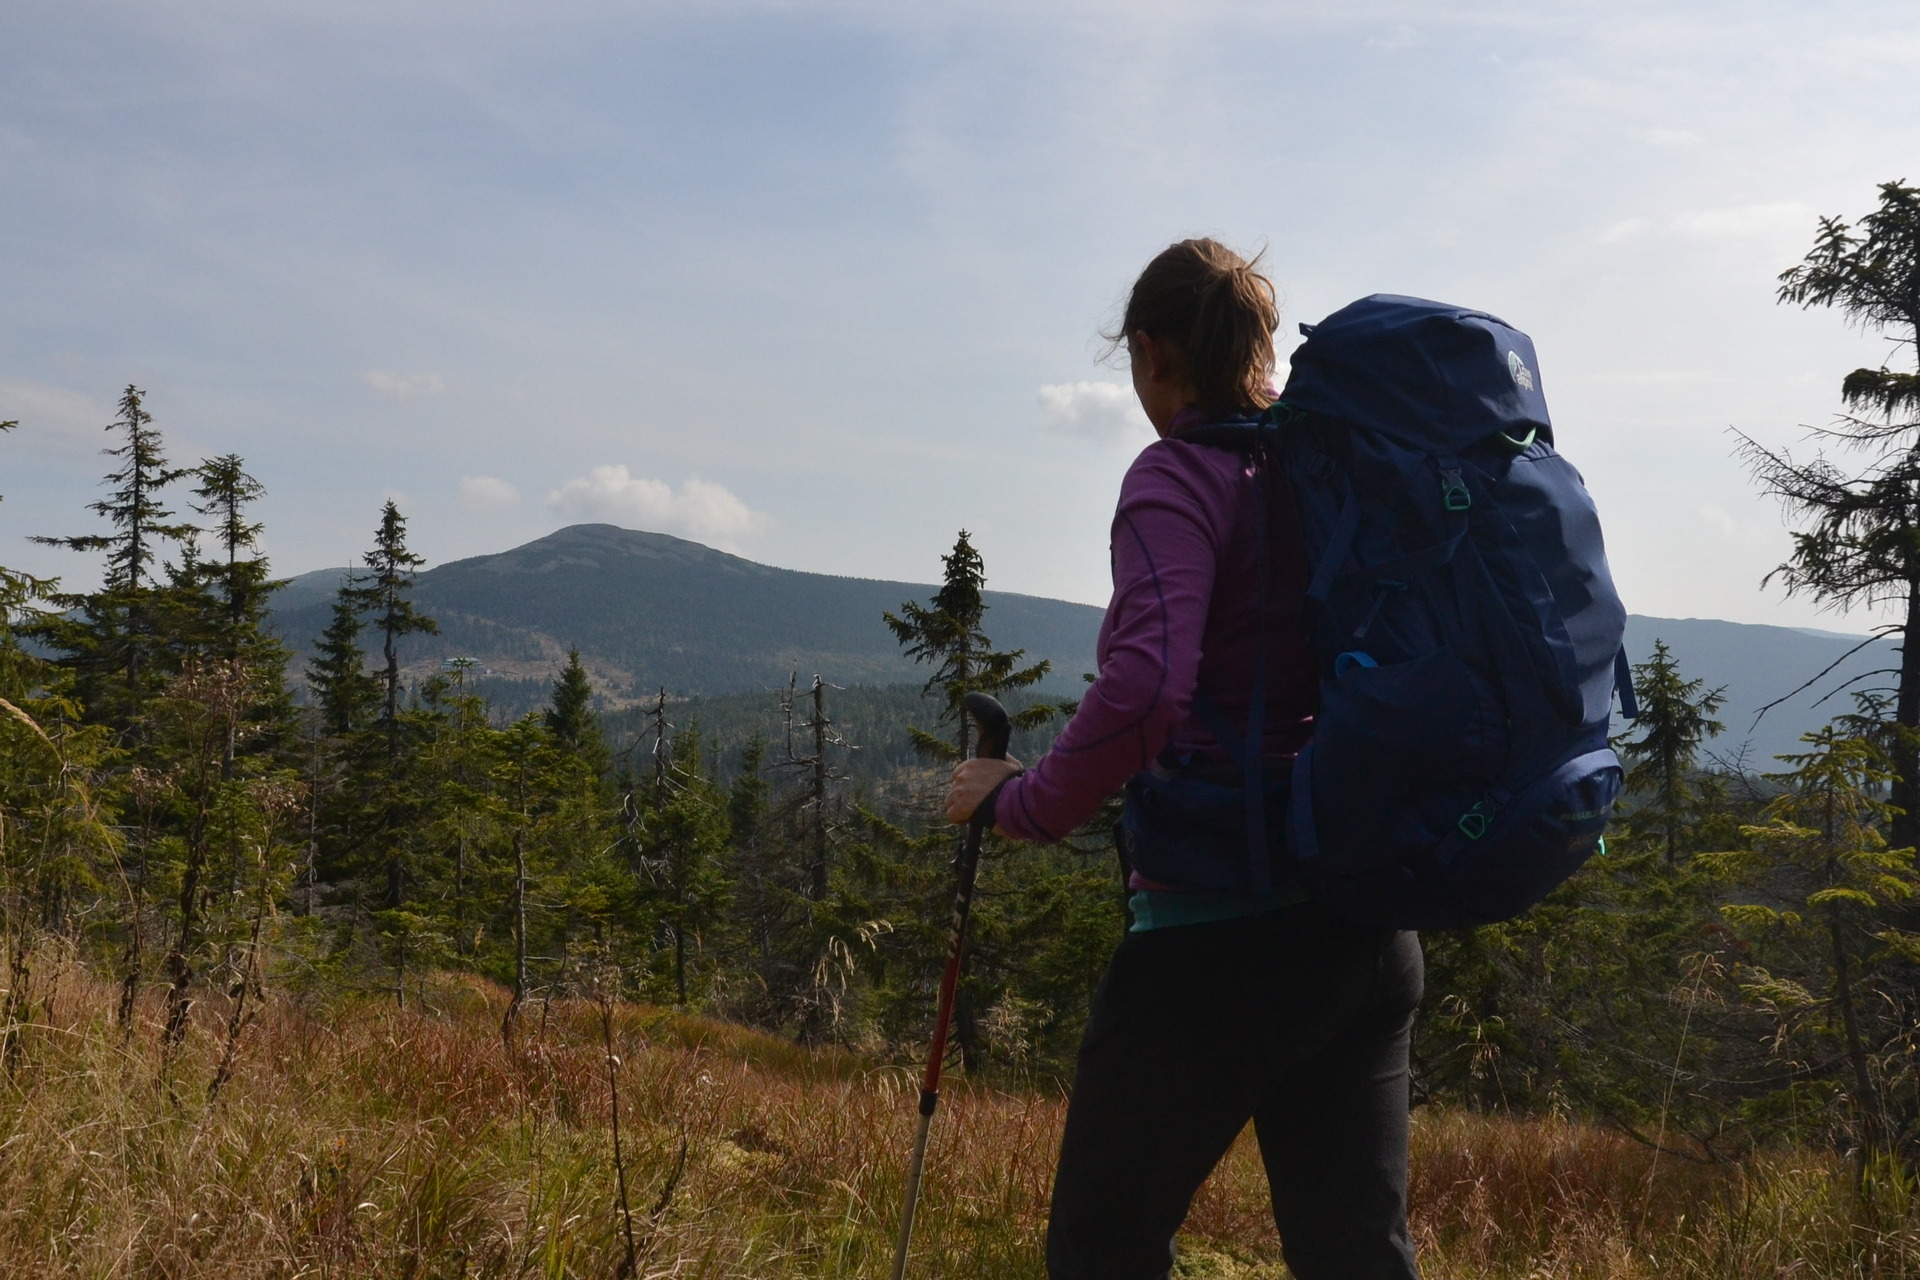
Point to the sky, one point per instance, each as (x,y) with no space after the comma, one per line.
(823,283)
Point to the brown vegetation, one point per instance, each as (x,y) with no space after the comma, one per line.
(355,1138)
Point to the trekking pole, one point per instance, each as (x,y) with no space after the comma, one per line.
(994,732)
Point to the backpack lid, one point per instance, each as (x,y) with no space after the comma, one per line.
(1427,374)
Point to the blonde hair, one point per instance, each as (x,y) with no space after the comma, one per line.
(1215,310)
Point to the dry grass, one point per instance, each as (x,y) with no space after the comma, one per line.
(357,1139)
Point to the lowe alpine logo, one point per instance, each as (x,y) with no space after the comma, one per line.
(1522,376)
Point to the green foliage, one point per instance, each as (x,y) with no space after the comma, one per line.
(1824,893)
(115,640)
(571,720)
(1663,781)
(946,635)
(383,599)
(1871,272)
(1861,545)
(677,842)
(345,694)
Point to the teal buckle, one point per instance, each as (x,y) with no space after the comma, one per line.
(1453,491)
(1475,821)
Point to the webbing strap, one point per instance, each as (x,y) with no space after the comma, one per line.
(1302,836)
(1339,544)
(1222,728)
(1253,775)
(1623,684)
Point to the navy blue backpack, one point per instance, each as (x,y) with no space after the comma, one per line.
(1464,621)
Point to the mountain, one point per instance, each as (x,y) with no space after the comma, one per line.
(1758,664)
(648,610)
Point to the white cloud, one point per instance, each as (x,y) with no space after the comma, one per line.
(1754,221)
(1103,411)
(487,493)
(701,510)
(1776,229)
(1398,36)
(1674,138)
(1627,229)
(1716,515)
(405,386)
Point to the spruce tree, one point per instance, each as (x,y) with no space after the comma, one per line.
(382,596)
(343,690)
(1676,718)
(1861,546)
(682,836)
(571,720)
(1820,894)
(241,588)
(946,634)
(111,638)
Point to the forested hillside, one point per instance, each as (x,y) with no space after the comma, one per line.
(648,610)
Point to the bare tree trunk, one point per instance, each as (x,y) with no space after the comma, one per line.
(511,1021)
(519,917)
(817,871)
(680,962)
(132,958)
(1866,1099)
(1905,827)
(460,895)
(179,967)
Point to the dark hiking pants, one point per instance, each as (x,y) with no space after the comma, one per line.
(1290,1019)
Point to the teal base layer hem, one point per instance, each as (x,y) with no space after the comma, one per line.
(1165,909)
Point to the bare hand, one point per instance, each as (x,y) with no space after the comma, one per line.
(973,781)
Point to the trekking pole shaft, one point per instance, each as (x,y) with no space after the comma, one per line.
(914,1170)
(993,743)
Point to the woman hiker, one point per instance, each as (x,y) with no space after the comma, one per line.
(1217,1007)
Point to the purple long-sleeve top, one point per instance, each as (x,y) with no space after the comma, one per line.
(1184,616)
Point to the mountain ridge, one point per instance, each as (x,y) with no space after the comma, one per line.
(649,610)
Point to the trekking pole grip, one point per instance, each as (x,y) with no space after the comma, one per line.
(996,730)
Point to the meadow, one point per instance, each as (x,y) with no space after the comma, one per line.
(354,1137)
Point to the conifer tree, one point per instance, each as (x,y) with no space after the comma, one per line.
(383,599)
(110,638)
(682,839)
(946,634)
(241,589)
(1862,543)
(571,720)
(1676,718)
(747,798)
(1820,871)
(345,693)
(382,596)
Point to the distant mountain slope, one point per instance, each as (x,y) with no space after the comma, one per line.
(1758,664)
(649,610)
